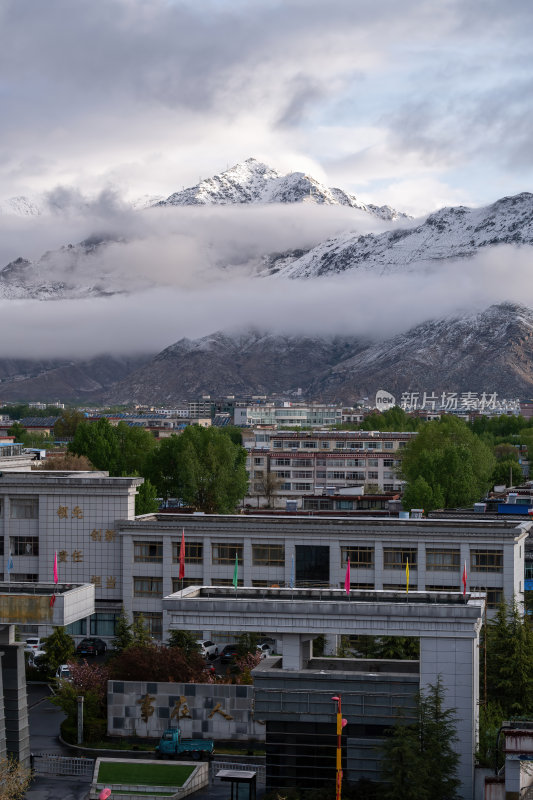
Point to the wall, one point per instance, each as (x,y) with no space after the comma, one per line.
(207,711)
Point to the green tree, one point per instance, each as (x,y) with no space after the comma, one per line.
(123,632)
(146,501)
(141,632)
(508,472)
(510,660)
(184,641)
(67,423)
(420,494)
(18,431)
(453,461)
(202,467)
(59,648)
(121,450)
(420,762)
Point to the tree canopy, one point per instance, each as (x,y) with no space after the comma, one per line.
(202,467)
(452,461)
(121,449)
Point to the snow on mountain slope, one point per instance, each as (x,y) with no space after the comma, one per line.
(448,233)
(255,182)
(21,207)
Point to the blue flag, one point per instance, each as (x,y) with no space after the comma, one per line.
(10,564)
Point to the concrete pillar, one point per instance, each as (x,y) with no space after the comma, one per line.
(455,661)
(16,702)
(378,565)
(296,650)
(3,751)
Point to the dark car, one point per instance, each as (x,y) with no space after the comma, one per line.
(91,647)
(228,654)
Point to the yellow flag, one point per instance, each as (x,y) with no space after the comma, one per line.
(407,576)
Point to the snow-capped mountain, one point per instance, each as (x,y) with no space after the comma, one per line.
(21,206)
(255,182)
(450,233)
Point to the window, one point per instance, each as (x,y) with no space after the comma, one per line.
(388,487)
(281,462)
(194,552)
(258,462)
(359,556)
(1,545)
(447,560)
(345,505)
(24,507)
(339,445)
(268,555)
(355,476)
(373,475)
(337,476)
(226,582)
(293,445)
(321,462)
(358,585)
(268,584)
(153,621)
(103,623)
(441,587)
(258,473)
(78,628)
(302,487)
(148,552)
(277,444)
(396,557)
(494,596)
(25,577)
(285,487)
(321,474)
(147,587)
(299,473)
(311,445)
(388,445)
(372,462)
(388,462)
(336,462)
(284,473)
(486,560)
(373,445)
(302,462)
(24,545)
(324,445)
(225,553)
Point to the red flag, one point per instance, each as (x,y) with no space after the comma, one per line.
(347,578)
(464,580)
(56,576)
(182,555)
(52,601)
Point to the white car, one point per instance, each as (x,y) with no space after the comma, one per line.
(208,649)
(63,672)
(264,650)
(33,643)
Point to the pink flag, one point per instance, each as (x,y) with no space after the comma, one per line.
(56,578)
(347,578)
(464,580)
(182,555)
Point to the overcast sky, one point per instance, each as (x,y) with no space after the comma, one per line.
(416,103)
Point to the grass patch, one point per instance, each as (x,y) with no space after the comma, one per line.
(144,774)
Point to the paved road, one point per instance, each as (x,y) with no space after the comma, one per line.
(45,720)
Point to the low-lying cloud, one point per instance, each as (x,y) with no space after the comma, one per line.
(355,303)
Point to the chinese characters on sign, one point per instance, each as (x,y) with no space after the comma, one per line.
(62,512)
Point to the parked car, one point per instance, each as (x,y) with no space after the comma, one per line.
(91,647)
(33,643)
(228,654)
(208,649)
(63,672)
(264,650)
(209,669)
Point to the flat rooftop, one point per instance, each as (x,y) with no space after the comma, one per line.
(20,587)
(321,595)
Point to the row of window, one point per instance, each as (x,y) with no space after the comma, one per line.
(273,555)
(313,444)
(437,559)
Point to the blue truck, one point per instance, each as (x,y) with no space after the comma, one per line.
(172,745)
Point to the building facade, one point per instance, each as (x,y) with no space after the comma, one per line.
(88,519)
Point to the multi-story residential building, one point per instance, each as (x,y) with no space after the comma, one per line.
(88,520)
(290,464)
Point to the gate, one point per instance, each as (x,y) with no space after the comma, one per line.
(53,764)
